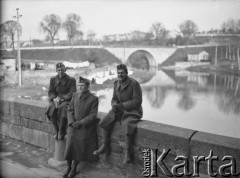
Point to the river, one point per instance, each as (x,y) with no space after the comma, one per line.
(206,102)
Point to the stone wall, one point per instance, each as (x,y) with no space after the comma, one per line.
(25,120)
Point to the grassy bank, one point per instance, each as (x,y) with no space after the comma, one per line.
(180,54)
(100,57)
(224,67)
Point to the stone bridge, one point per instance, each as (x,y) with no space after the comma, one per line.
(154,55)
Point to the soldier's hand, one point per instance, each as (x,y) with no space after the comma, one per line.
(76,124)
(114,107)
(56,101)
(117,107)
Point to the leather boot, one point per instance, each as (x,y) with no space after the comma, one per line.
(128,151)
(69,166)
(55,126)
(73,171)
(105,148)
(62,128)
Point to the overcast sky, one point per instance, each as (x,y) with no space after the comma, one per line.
(121,16)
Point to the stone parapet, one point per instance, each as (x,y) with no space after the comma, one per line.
(215,147)
(25,120)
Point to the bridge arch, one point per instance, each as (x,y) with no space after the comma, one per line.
(139,56)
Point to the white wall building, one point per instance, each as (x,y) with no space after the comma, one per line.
(197,57)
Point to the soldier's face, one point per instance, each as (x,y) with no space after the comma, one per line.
(122,75)
(83,87)
(61,71)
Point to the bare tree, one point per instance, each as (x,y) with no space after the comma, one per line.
(51,25)
(90,36)
(231,26)
(80,34)
(72,25)
(3,36)
(159,31)
(9,30)
(188,29)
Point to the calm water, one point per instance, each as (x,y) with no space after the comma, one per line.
(199,101)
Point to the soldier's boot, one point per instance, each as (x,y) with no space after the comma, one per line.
(73,171)
(128,152)
(69,166)
(56,128)
(105,147)
(62,128)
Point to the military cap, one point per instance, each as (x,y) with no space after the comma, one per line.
(122,66)
(83,80)
(58,65)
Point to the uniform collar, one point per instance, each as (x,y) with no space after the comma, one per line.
(124,84)
(84,95)
(63,79)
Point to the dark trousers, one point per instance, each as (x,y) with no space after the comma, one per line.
(128,123)
(59,119)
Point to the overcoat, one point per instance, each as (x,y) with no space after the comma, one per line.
(60,87)
(82,142)
(129,94)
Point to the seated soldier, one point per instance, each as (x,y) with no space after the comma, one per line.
(126,108)
(60,92)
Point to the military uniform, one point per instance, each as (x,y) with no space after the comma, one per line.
(126,108)
(81,142)
(63,88)
(129,94)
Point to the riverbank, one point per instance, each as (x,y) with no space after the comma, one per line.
(35,83)
(225,67)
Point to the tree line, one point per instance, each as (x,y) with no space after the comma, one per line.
(157,35)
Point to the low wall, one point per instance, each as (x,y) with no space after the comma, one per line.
(25,120)
(190,64)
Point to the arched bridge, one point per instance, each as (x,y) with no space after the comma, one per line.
(154,55)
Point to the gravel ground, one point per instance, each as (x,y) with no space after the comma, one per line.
(22,160)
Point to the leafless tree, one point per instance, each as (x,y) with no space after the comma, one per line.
(80,34)
(188,28)
(90,36)
(72,26)
(231,26)
(159,31)
(51,24)
(9,30)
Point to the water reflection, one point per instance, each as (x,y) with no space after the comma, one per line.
(186,102)
(206,102)
(156,96)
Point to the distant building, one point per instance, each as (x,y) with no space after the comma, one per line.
(74,65)
(39,66)
(8,64)
(198,56)
(138,35)
(125,37)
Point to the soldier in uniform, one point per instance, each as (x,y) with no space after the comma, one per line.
(126,108)
(60,92)
(82,128)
